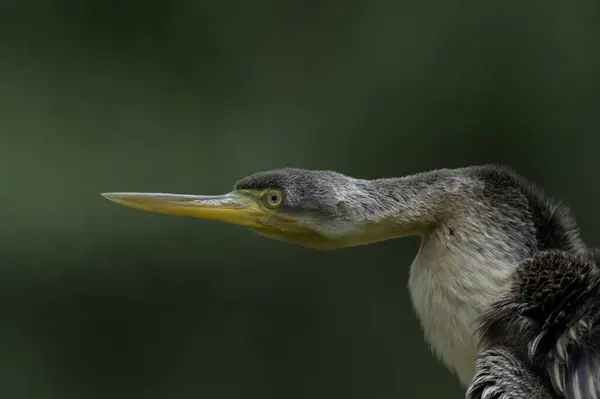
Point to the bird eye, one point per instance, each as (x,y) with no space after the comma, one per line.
(273,198)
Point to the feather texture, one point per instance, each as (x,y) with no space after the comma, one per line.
(549,325)
(502,375)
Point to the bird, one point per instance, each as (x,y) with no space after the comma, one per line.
(497,256)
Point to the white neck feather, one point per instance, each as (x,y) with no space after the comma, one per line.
(452,280)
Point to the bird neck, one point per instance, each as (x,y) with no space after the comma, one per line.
(415,204)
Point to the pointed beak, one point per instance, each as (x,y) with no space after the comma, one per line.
(233,207)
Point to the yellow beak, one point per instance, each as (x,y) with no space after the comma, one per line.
(233,208)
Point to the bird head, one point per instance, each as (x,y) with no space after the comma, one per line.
(317,209)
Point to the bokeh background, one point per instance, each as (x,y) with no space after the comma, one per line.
(100,301)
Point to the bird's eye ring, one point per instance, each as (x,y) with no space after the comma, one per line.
(273,198)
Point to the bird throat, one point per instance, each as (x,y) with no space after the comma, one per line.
(451,282)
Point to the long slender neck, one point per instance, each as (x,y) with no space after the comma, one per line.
(450,209)
(454,209)
(413,205)
(382,209)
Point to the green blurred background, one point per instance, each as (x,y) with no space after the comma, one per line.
(100,301)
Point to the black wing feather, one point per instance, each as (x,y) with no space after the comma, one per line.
(502,375)
(548,324)
(573,365)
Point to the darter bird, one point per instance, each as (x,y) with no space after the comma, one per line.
(503,286)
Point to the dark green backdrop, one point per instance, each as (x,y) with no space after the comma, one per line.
(100,301)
